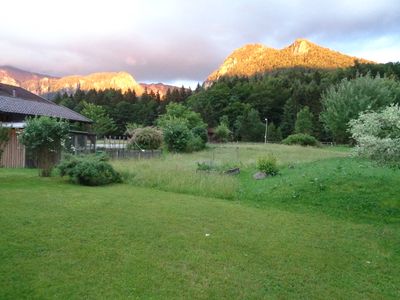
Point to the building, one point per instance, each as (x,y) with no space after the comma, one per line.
(16,104)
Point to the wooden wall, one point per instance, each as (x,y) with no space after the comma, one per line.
(14,153)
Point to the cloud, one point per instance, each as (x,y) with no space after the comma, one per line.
(183,40)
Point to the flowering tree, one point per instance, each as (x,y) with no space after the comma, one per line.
(378,135)
(45,137)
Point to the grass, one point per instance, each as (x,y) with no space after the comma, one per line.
(64,241)
(318,179)
(327,227)
(177,172)
(342,187)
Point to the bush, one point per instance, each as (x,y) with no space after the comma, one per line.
(148,138)
(268,165)
(201,132)
(183,129)
(222,133)
(89,170)
(176,135)
(378,135)
(301,139)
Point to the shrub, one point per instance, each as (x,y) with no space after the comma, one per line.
(300,139)
(222,133)
(183,129)
(147,138)
(88,170)
(45,137)
(176,135)
(378,135)
(201,132)
(268,165)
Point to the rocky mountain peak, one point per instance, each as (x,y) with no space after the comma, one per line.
(301,46)
(257,58)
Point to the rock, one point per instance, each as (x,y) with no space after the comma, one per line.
(259,175)
(233,171)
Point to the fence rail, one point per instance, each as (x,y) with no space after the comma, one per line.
(127,153)
(115,147)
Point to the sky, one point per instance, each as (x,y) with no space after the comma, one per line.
(182,42)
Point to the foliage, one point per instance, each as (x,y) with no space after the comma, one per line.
(300,139)
(201,132)
(103,124)
(278,95)
(248,127)
(345,101)
(92,170)
(304,122)
(4,138)
(179,111)
(274,133)
(147,138)
(268,165)
(125,107)
(45,137)
(177,135)
(196,143)
(222,132)
(378,135)
(130,127)
(183,129)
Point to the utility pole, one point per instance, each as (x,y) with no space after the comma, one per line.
(266,130)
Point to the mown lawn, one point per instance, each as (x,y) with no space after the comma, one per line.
(324,230)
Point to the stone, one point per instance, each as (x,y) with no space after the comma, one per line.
(234,171)
(259,175)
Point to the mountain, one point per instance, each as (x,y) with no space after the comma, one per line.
(46,85)
(257,58)
(18,77)
(160,87)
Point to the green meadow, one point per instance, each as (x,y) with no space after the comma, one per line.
(326,227)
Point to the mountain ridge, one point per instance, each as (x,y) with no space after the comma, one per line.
(48,86)
(258,58)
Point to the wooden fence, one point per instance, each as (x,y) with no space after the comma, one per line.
(13,153)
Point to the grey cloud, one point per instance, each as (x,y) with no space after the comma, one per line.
(192,38)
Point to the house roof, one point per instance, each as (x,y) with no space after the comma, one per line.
(17,100)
